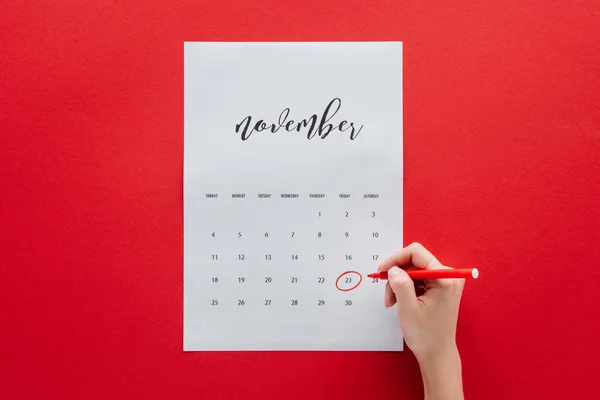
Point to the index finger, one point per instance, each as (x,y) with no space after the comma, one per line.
(415,254)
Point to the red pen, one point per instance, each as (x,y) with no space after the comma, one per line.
(433,274)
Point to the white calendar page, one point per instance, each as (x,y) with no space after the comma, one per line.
(293,173)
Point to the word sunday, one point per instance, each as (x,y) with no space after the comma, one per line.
(247,127)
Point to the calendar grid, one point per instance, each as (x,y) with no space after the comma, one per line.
(288,266)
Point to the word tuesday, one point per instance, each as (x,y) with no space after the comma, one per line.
(247,127)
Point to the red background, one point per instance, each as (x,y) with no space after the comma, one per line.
(502,156)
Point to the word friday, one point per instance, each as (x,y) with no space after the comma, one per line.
(247,127)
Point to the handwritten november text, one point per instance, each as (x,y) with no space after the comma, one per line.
(321,129)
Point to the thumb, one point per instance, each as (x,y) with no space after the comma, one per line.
(404,289)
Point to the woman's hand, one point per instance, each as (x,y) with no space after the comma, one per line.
(428,321)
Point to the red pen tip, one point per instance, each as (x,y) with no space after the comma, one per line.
(374,275)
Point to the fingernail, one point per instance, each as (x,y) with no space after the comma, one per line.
(393,271)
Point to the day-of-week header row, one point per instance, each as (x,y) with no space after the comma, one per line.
(293,195)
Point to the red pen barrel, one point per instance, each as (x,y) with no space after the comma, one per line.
(421,274)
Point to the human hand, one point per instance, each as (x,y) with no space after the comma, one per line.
(428,321)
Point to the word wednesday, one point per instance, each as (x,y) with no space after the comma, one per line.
(323,129)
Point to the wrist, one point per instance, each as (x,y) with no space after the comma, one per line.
(442,374)
(435,356)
